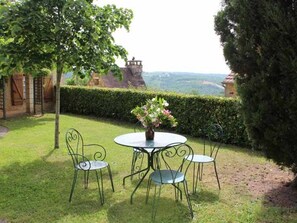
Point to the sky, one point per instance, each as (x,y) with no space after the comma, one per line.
(172,35)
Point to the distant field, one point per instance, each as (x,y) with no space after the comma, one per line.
(182,82)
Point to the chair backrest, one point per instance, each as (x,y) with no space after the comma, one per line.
(75,146)
(138,127)
(214,135)
(172,158)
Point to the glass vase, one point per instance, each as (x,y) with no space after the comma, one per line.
(149,133)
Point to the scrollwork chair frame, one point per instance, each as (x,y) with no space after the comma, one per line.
(81,162)
(211,146)
(171,169)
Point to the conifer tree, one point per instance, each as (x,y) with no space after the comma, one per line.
(259,38)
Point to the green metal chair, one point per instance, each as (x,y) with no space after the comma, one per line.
(86,163)
(171,169)
(214,135)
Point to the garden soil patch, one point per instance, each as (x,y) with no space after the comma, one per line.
(265,180)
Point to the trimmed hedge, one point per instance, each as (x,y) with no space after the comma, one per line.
(193,113)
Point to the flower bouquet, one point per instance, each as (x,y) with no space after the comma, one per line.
(153,114)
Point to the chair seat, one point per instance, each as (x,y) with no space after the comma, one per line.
(201,159)
(92,165)
(167,176)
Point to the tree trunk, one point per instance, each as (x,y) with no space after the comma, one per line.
(57,119)
(294,182)
(4,98)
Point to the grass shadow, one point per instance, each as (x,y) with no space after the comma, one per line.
(204,196)
(50,153)
(279,205)
(26,122)
(110,121)
(283,196)
(27,189)
(167,211)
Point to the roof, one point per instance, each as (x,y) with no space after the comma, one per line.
(229,79)
(129,80)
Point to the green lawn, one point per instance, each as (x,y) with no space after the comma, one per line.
(35,180)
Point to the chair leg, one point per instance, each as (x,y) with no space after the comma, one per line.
(73,184)
(200,168)
(215,168)
(102,188)
(177,192)
(134,158)
(188,198)
(86,178)
(180,192)
(155,202)
(195,177)
(157,161)
(99,188)
(110,177)
(148,189)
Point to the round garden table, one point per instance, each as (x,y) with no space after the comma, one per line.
(149,147)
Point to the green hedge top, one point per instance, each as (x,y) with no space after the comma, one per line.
(193,113)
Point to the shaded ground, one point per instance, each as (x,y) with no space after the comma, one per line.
(268,181)
(3,131)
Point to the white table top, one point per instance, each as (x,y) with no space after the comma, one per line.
(137,140)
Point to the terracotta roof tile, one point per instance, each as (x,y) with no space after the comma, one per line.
(129,80)
(110,81)
(229,79)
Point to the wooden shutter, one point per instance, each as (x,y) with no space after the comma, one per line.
(17,89)
(48,89)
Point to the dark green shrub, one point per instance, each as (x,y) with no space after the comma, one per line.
(260,45)
(193,113)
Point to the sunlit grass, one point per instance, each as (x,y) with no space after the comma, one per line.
(35,180)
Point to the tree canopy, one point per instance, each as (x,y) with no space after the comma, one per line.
(65,35)
(259,38)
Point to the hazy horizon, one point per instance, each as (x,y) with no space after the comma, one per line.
(184,72)
(172,36)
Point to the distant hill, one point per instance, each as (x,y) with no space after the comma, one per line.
(183,82)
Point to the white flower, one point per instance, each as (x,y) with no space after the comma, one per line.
(154,120)
(153,115)
(153,112)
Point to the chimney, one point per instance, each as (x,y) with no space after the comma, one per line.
(135,66)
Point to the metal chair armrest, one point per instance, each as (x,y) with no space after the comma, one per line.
(100,154)
(82,163)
